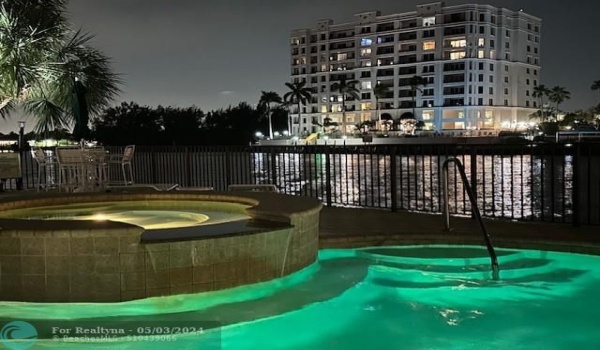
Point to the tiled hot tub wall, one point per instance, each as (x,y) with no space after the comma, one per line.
(105,261)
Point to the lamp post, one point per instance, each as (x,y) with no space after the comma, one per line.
(21,149)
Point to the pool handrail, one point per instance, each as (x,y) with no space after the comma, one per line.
(474,207)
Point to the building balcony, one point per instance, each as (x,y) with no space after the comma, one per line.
(449,102)
(385,27)
(455,31)
(407,49)
(407,36)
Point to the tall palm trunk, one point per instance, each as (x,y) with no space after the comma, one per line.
(298,116)
(414,103)
(343,115)
(379,126)
(270,124)
(289,121)
(542,109)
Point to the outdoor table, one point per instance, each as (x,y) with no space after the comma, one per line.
(81,169)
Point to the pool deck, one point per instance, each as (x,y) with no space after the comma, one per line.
(356,227)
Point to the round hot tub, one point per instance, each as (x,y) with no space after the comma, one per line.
(149,215)
(124,246)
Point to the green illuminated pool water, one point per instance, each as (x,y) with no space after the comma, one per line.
(426,297)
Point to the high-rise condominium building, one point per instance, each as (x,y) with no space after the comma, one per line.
(475,66)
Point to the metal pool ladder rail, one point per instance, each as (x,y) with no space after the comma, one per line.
(475,208)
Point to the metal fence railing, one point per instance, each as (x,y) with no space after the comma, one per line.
(536,182)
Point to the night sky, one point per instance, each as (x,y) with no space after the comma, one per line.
(215,53)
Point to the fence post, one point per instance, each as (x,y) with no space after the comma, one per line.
(393,179)
(576,185)
(273,163)
(473,178)
(153,162)
(227,169)
(328,175)
(188,167)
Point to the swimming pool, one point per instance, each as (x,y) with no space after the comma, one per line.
(415,297)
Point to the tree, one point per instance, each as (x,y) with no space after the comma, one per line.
(540,92)
(284,106)
(346,89)
(232,126)
(387,121)
(416,83)
(267,100)
(40,58)
(379,92)
(596,85)
(579,120)
(298,94)
(558,95)
(180,126)
(128,123)
(329,125)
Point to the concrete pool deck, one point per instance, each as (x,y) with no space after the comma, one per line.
(358,227)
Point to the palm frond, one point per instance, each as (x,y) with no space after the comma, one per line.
(7,106)
(49,115)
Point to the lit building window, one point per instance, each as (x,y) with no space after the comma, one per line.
(458,43)
(365,63)
(429,45)
(457,55)
(323,109)
(366,42)
(365,52)
(342,56)
(481,42)
(365,106)
(428,21)
(428,115)
(365,85)
(480,54)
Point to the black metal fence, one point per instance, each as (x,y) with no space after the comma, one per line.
(535,182)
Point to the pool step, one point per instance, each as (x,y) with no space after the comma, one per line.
(432,255)
(509,269)
(548,278)
(518,271)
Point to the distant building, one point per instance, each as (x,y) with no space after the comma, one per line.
(480,64)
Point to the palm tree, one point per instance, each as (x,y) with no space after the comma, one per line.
(416,82)
(285,105)
(596,85)
(40,59)
(299,94)
(379,92)
(540,92)
(346,89)
(558,95)
(267,99)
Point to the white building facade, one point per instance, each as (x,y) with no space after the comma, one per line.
(480,64)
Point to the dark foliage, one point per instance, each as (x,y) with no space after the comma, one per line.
(131,123)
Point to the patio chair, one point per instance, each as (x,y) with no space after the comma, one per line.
(70,168)
(45,166)
(124,160)
(97,167)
